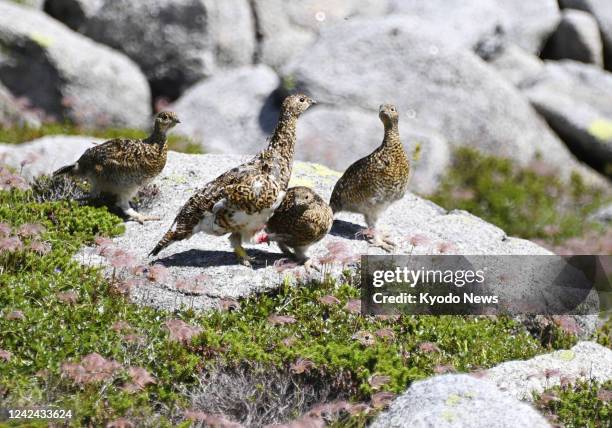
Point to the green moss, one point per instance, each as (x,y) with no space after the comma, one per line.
(604,333)
(585,404)
(22,134)
(521,201)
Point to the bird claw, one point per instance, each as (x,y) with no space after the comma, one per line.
(243,258)
(246,261)
(142,218)
(309,265)
(389,248)
(383,242)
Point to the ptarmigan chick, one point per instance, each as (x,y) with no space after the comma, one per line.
(374,182)
(301,220)
(120,167)
(241,200)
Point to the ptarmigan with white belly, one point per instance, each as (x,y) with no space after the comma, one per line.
(241,200)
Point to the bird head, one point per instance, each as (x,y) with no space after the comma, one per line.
(388,114)
(301,196)
(296,104)
(166,120)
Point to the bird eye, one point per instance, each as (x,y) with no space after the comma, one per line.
(302,99)
(392,109)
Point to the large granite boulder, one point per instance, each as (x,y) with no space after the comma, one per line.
(576,101)
(458,400)
(67,75)
(288,27)
(448,90)
(231,113)
(469,23)
(577,38)
(175,42)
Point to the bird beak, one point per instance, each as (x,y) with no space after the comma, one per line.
(313,102)
(177,121)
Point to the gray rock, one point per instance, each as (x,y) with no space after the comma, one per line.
(575,99)
(458,401)
(516,65)
(577,38)
(338,137)
(175,42)
(73,13)
(457,232)
(230,113)
(288,27)
(602,11)
(585,361)
(45,155)
(13,113)
(36,4)
(466,24)
(603,215)
(449,90)
(68,75)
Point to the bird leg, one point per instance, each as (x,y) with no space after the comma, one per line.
(301,258)
(132,214)
(285,249)
(236,243)
(375,237)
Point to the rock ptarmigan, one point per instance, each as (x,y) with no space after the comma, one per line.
(122,166)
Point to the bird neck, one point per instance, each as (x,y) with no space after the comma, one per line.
(158,136)
(392,137)
(283,139)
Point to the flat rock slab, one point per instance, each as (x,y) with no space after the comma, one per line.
(585,361)
(457,401)
(431,228)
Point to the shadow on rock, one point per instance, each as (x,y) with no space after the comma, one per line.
(212,258)
(347,230)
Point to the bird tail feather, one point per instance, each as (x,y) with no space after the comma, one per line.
(171,236)
(68,169)
(168,239)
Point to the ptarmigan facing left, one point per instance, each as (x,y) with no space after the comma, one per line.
(241,200)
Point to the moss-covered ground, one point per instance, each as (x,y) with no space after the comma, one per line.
(55,311)
(530,202)
(580,405)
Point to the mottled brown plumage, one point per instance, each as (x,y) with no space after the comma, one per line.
(302,219)
(374,182)
(241,200)
(120,167)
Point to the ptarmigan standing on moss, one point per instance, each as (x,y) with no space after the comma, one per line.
(374,182)
(302,219)
(120,167)
(241,200)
